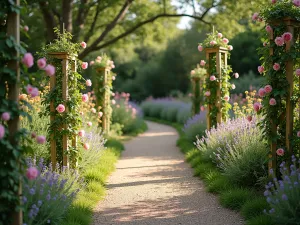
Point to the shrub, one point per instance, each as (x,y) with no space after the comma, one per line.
(235,198)
(195,126)
(283,195)
(238,149)
(260,220)
(254,208)
(219,184)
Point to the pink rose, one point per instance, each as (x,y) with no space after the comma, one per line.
(85,98)
(193,72)
(5,116)
(34,92)
(40,139)
(220,35)
(261,92)
(298,72)
(99,58)
(93,110)
(113,102)
(249,118)
(257,106)
(212,42)
(207,93)
(60,108)
(276,66)
(269,28)
(86,146)
(84,65)
(81,133)
(260,69)
(225,40)
(29,89)
(212,78)
(32,173)
(236,75)
(28,60)
(41,63)
(100,114)
(202,63)
(50,70)
(268,88)
(26,28)
(265,44)
(255,16)
(2,131)
(287,37)
(296,3)
(89,124)
(230,47)
(272,101)
(202,108)
(280,152)
(273,1)
(92,63)
(113,78)
(83,44)
(113,94)
(200,48)
(298,133)
(88,83)
(279,41)
(233,86)
(226,98)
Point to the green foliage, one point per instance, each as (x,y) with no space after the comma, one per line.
(281,9)
(260,220)
(254,208)
(219,184)
(235,198)
(194,130)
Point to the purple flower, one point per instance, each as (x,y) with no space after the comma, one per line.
(284,197)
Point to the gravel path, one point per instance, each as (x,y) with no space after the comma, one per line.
(153,185)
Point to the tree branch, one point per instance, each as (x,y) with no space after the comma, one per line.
(49,20)
(131,30)
(108,28)
(81,16)
(67,14)
(92,27)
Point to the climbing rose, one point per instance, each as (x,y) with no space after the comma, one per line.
(233,86)
(50,70)
(86,146)
(226,98)
(249,118)
(92,63)
(193,72)
(261,92)
(100,114)
(202,63)
(29,89)
(5,116)
(207,93)
(28,60)
(81,133)
(113,102)
(83,44)
(296,3)
(212,78)
(85,97)
(280,152)
(272,101)
(269,28)
(213,43)
(32,173)
(220,35)
(200,48)
(40,139)
(257,106)
(298,133)
(276,66)
(41,63)
(260,69)
(113,77)
(255,16)
(268,88)
(2,131)
(236,75)
(202,108)
(88,83)
(89,124)
(35,92)
(93,110)
(225,40)
(265,44)
(26,28)
(287,37)
(230,47)
(60,108)
(298,72)
(279,41)
(84,65)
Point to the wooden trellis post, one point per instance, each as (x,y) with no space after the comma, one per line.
(65,59)
(197,84)
(221,60)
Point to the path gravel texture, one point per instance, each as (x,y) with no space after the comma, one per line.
(153,185)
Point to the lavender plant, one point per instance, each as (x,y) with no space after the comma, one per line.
(283,195)
(195,126)
(47,198)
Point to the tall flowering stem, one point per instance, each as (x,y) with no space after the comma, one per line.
(280,61)
(217,84)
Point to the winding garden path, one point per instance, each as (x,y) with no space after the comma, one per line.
(153,185)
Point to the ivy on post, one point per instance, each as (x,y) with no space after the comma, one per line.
(102,80)
(280,63)
(217,84)
(197,79)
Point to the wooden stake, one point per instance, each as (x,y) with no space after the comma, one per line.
(65,65)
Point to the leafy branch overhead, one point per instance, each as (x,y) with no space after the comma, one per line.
(102,23)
